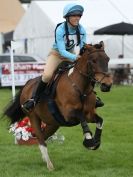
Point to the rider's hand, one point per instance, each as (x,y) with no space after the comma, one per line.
(78,57)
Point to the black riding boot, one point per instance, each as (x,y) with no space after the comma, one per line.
(99,102)
(29,104)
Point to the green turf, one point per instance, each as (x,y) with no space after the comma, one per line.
(71,159)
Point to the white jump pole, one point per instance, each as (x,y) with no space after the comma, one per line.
(12,69)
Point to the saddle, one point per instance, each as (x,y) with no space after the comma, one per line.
(61,69)
(49,94)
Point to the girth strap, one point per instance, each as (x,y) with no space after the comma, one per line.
(58,116)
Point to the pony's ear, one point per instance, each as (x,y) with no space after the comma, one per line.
(85,46)
(102,44)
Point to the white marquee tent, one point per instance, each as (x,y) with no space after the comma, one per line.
(38,23)
(37,28)
(10,14)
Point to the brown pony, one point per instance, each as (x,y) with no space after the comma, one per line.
(74,101)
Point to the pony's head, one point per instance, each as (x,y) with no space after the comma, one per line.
(97,65)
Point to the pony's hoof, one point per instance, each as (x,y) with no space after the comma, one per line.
(97,145)
(50,166)
(89,143)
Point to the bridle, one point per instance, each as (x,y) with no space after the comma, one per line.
(100,81)
(91,74)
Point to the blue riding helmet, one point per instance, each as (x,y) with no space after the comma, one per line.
(72,9)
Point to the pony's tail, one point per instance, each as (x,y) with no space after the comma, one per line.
(13,110)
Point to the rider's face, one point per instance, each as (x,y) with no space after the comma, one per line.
(74,20)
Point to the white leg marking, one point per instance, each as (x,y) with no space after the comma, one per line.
(88,136)
(99,126)
(45,157)
(70,71)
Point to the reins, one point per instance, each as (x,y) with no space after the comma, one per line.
(90,76)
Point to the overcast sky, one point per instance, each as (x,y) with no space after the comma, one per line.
(97,12)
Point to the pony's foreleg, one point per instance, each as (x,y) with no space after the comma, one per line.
(89,140)
(98,131)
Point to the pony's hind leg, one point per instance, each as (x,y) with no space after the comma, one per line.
(98,131)
(41,134)
(49,130)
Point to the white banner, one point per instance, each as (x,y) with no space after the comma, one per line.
(20,79)
(22,73)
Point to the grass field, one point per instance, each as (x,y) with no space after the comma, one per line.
(71,159)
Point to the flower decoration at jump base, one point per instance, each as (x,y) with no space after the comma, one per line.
(22,130)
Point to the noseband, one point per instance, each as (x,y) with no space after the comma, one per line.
(91,75)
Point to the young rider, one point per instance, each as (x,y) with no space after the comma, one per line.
(70,37)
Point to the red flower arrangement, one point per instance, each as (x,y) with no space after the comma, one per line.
(23,131)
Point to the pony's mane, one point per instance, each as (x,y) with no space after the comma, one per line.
(96,46)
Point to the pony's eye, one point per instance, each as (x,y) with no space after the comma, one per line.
(94,61)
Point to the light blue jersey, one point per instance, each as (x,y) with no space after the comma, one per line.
(72,50)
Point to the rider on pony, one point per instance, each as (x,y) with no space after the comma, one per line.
(70,37)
